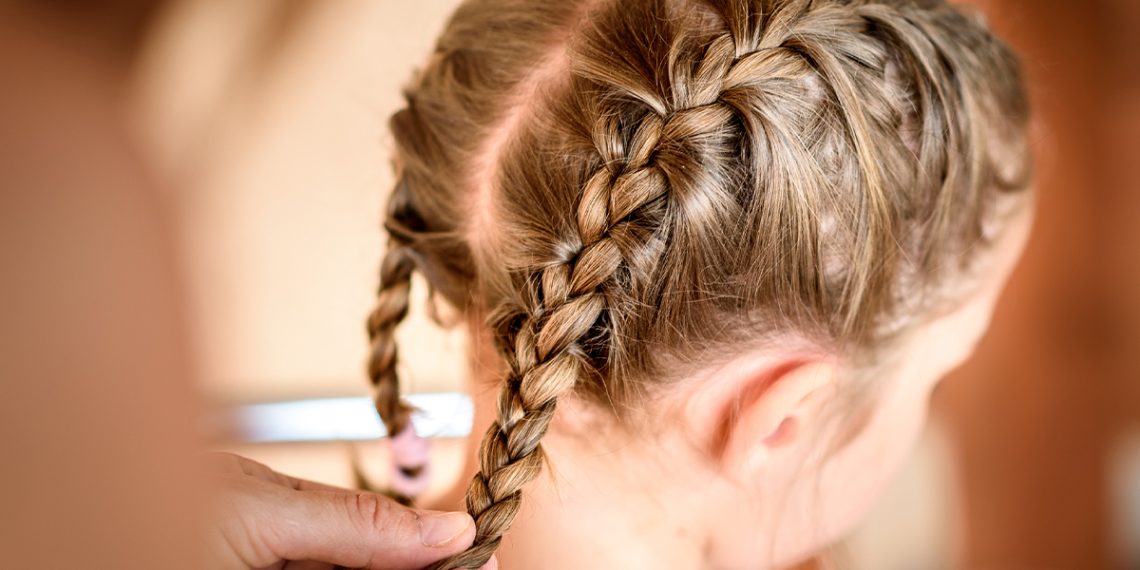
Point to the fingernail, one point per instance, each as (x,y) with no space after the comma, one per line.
(441,528)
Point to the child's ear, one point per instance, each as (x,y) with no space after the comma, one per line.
(757,411)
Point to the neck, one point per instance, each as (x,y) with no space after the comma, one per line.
(588,510)
(606,501)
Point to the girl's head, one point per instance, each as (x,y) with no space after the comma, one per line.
(758,227)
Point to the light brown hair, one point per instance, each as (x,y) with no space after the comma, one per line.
(630,186)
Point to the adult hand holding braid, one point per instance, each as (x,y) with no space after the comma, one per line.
(271,520)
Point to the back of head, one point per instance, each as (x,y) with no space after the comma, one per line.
(630,188)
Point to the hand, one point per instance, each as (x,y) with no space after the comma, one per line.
(273,521)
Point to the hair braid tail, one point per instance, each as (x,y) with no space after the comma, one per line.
(391,308)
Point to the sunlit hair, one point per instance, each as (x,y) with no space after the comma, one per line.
(628,187)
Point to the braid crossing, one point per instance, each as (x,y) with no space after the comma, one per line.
(547,355)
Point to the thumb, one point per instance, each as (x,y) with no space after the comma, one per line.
(360,530)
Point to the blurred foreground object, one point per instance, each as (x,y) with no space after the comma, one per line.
(97,408)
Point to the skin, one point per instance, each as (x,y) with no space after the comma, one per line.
(756,462)
(268,520)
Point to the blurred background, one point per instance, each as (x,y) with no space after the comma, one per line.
(266,119)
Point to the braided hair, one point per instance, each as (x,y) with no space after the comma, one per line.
(682,176)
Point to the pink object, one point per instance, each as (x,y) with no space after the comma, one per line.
(410,454)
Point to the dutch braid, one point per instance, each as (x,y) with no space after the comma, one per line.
(546,356)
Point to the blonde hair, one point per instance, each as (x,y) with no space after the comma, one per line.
(629,185)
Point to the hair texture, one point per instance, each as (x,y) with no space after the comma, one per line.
(632,187)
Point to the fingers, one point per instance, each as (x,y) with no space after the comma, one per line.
(355,529)
(274,517)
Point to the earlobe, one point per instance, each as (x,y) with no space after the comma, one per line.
(772,411)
